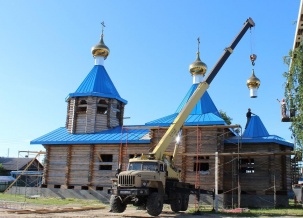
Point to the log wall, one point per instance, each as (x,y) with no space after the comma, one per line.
(90,120)
(82,165)
(196,140)
(94,165)
(268,171)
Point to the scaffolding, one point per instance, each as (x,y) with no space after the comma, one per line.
(215,139)
(26,178)
(234,155)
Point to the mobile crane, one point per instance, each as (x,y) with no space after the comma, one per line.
(151,179)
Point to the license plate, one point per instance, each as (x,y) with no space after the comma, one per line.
(125,192)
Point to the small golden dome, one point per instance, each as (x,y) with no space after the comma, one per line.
(100,49)
(198,67)
(253,81)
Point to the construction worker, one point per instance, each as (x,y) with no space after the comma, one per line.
(283,107)
(248,116)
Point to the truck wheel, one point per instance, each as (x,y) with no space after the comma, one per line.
(154,204)
(175,203)
(116,205)
(184,204)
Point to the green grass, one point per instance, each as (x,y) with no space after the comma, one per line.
(50,201)
(292,210)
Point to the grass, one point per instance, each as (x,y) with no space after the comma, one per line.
(292,210)
(50,201)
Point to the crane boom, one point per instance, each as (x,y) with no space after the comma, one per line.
(152,180)
(174,128)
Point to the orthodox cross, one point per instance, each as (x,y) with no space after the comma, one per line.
(103,25)
(198,44)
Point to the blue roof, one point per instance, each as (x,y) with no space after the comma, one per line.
(257,133)
(97,83)
(6,179)
(204,106)
(204,112)
(255,128)
(112,136)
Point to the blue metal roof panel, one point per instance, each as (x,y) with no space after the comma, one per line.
(205,105)
(112,136)
(266,139)
(97,83)
(257,133)
(204,112)
(192,120)
(255,128)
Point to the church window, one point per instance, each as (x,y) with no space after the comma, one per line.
(105,161)
(82,106)
(102,107)
(118,112)
(201,165)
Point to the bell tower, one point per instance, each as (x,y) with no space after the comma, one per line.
(96,105)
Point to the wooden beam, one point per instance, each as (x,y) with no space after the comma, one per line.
(242,154)
(34,152)
(184,127)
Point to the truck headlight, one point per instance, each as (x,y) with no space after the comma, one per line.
(115,183)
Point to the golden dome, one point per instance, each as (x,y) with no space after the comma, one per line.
(100,49)
(198,67)
(253,81)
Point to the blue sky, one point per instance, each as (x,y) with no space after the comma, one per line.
(45,55)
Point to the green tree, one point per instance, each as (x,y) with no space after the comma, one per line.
(225,117)
(294,92)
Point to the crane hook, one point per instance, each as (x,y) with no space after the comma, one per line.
(253,57)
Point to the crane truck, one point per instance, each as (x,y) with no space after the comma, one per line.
(151,180)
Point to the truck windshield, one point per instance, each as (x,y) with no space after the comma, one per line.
(148,166)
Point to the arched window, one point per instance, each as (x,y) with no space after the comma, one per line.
(102,106)
(82,106)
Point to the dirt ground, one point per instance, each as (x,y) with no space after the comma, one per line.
(31,211)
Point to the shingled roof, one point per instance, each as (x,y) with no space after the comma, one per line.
(11,163)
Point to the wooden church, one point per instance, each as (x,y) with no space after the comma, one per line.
(254,169)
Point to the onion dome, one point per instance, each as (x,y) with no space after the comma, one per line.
(253,84)
(100,49)
(198,67)
(253,81)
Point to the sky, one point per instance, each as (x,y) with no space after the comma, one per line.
(45,54)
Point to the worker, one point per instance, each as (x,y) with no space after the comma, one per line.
(248,116)
(283,107)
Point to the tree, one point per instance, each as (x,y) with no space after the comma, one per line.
(225,117)
(294,92)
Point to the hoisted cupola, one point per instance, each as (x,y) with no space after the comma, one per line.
(253,84)
(96,105)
